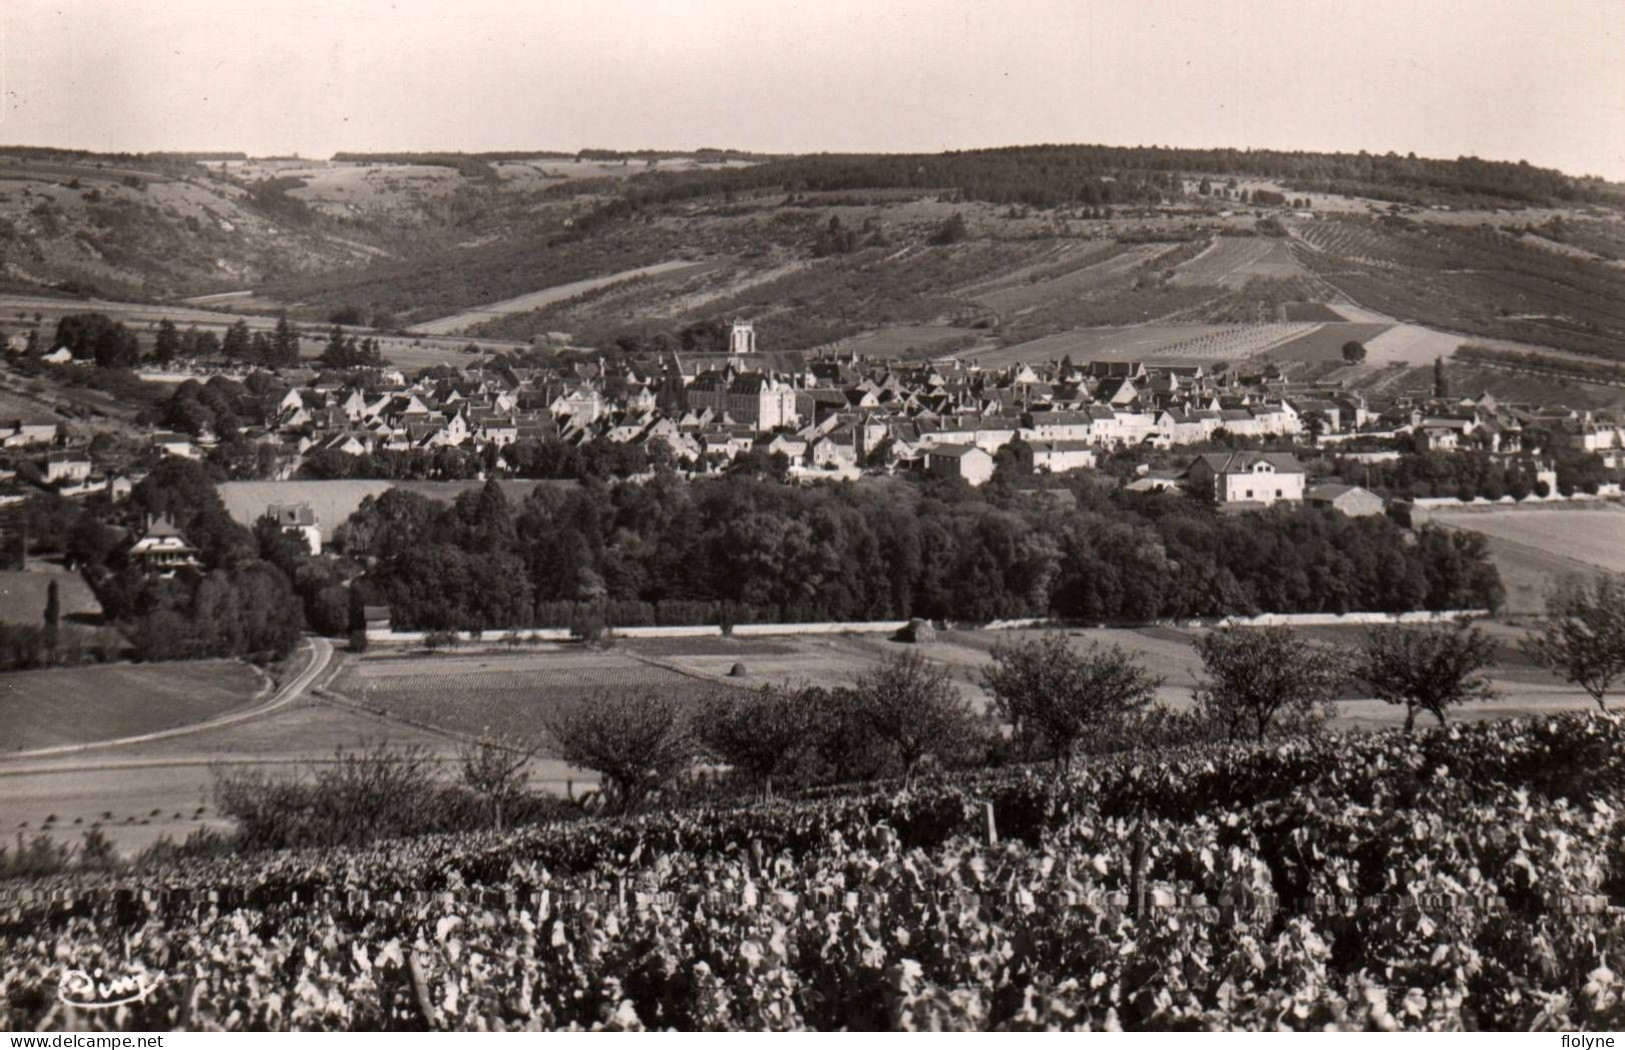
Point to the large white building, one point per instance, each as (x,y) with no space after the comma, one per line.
(1249,477)
(753,398)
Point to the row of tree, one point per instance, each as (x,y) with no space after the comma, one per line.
(892,549)
(1471,474)
(98,338)
(1061,702)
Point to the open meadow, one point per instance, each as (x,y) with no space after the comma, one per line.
(1536,546)
(79,705)
(141,792)
(23,596)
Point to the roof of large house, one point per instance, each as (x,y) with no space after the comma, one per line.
(1242,462)
(953,451)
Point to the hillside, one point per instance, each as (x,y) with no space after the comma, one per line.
(1003,253)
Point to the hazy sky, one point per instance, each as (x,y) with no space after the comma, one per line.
(1541,80)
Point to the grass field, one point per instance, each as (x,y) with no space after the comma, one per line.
(1410,344)
(1596,537)
(335,501)
(1316,312)
(501,696)
(81,705)
(1535,547)
(140,793)
(23,596)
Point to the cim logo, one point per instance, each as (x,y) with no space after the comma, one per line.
(97,991)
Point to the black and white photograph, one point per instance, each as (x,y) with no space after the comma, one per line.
(811,515)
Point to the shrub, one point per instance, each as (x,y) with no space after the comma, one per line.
(587,624)
(1263,681)
(1430,668)
(1583,637)
(1049,692)
(763,733)
(911,703)
(637,742)
(442,640)
(361,796)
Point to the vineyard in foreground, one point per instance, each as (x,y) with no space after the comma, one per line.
(1455,879)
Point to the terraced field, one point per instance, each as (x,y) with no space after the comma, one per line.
(905,340)
(1232,343)
(1093,344)
(1091,278)
(1233,261)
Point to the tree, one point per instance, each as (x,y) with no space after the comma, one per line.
(1430,668)
(167,344)
(636,741)
(339,352)
(762,734)
(1354,352)
(53,616)
(99,338)
(1205,187)
(284,343)
(1583,638)
(952,231)
(1315,423)
(238,344)
(1441,386)
(496,772)
(911,703)
(1045,689)
(1261,679)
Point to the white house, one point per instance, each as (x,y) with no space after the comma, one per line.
(1249,477)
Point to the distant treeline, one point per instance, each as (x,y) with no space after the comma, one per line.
(1049,176)
(465,164)
(163,159)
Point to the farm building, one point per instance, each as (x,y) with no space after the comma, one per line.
(973,464)
(1352,500)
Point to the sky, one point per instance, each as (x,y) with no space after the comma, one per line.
(1536,80)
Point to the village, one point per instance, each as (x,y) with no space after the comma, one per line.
(1246,430)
